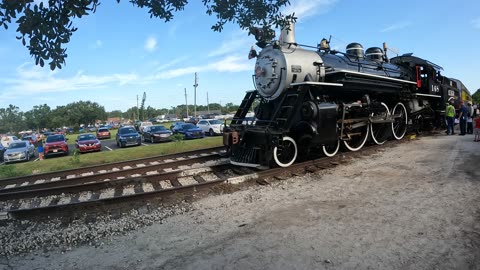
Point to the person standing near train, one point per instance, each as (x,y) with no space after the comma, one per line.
(39,145)
(450,115)
(462,118)
(469,118)
(476,121)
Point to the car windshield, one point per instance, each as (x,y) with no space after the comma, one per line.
(86,137)
(157,128)
(215,122)
(127,130)
(17,145)
(55,138)
(188,126)
(103,130)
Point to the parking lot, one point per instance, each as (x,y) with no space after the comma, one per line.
(107,145)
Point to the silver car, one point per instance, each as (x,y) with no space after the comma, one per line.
(19,151)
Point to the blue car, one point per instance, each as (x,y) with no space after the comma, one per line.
(190,131)
(127,136)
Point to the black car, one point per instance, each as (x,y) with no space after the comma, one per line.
(2,150)
(156,133)
(127,136)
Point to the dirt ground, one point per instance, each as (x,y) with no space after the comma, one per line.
(414,206)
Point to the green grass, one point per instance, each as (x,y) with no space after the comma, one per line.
(90,159)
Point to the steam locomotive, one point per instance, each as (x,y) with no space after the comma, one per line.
(312,100)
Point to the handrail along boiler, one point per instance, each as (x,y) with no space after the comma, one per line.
(309,101)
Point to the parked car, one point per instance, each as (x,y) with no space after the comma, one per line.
(175,126)
(7,139)
(55,144)
(127,136)
(211,126)
(103,133)
(249,120)
(190,131)
(157,133)
(2,150)
(47,133)
(19,151)
(143,125)
(87,143)
(193,120)
(29,138)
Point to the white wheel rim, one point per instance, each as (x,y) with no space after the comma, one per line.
(326,153)
(397,136)
(361,145)
(275,150)
(371,127)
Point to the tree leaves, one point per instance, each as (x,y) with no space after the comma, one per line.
(48,28)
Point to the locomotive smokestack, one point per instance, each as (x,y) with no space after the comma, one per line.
(288,34)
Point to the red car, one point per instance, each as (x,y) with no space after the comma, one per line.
(103,133)
(88,143)
(55,144)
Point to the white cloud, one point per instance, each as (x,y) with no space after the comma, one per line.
(476,23)
(239,40)
(150,44)
(32,80)
(97,44)
(396,26)
(171,63)
(232,63)
(307,8)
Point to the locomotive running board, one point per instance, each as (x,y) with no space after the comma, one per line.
(369,75)
(426,95)
(316,83)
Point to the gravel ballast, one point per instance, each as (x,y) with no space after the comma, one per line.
(414,206)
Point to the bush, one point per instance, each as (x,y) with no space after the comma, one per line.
(75,159)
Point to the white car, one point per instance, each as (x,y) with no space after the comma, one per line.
(6,140)
(211,126)
(143,125)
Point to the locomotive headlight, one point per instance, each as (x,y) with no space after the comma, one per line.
(259,72)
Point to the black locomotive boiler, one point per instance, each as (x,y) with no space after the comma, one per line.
(308,101)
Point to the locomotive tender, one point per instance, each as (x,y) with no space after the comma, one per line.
(314,101)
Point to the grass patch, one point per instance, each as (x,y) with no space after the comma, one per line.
(90,159)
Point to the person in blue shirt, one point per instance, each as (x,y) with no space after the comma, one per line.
(462,118)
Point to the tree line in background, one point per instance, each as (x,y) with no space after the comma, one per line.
(13,120)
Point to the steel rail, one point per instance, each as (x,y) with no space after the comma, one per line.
(109,166)
(104,176)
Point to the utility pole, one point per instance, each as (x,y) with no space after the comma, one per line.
(138,114)
(195,95)
(208,104)
(186,103)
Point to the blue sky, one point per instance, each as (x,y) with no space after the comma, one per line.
(120,52)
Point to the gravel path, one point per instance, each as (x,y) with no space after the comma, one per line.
(415,206)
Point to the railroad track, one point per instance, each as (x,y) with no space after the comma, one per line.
(166,176)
